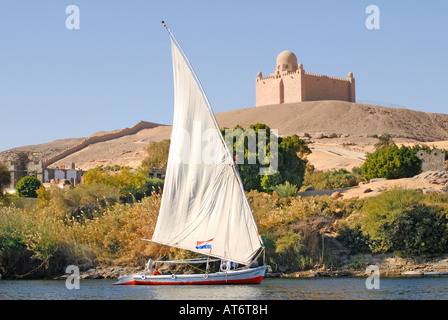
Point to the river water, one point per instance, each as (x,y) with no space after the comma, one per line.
(418,288)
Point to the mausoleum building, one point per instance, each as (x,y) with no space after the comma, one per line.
(290,83)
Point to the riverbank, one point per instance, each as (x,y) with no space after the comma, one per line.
(302,233)
(388,266)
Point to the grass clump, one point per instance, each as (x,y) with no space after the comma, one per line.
(335,179)
(286,190)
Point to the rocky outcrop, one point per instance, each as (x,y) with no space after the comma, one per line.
(104,272)
(434,177)
(388,265)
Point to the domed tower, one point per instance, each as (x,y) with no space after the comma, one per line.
(286,61)
(290,84)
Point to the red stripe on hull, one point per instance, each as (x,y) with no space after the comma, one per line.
(256,280)
(131,283)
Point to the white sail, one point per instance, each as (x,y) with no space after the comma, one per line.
(204,207)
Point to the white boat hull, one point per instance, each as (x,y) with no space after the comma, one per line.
(242,276)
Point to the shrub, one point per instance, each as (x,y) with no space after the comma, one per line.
(157,154)
(286,249)
(400,221)
(115,236)
(5,178)
(289,150)
(153,185)
(27,186)
(35,243)
(357,262)
(269,182)
(133,184)
(353,238)
(136,192)
(40,243)
(422,230)
(82,202)
(391,163)
(292,165)
(281,221)
(290,250)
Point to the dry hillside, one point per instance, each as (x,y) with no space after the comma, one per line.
(344,118)
(339,133)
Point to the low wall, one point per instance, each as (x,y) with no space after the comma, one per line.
(95,139)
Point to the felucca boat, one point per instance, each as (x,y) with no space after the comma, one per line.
(204,208)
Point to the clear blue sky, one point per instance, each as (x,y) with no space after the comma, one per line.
(115,70)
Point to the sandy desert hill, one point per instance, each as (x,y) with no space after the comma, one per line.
(339,133)
(344,118)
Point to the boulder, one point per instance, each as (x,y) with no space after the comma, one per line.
(426,191)
(380,189)
(305,135)
(332,135)
(445,188)
(336,195)
(413,273)
(366,190)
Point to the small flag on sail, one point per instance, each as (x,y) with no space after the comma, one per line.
(204,244)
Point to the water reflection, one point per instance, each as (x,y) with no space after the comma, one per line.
(269,289)
(215,292)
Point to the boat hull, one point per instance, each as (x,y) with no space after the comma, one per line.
(242,276)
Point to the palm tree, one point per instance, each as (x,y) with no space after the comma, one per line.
(385,140)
